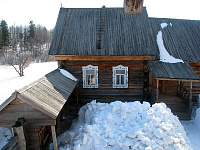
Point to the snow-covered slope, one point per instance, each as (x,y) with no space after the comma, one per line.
(10,80)
(125,126)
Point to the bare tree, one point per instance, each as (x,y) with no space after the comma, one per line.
(19,60)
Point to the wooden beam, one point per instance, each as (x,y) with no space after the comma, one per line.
(178,79)
(17,129)
(157,90)
(102,58)
(53,131)
(190,99)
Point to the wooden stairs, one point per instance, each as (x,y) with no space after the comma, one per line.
(177,106)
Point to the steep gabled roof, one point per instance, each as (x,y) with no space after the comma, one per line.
(181,38)
(181,71)
(48,94)
(102,31)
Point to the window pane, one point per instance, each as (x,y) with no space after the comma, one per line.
(92,80)
(87,79)
(90,72)
(117,79)
(120,71)
(122,79)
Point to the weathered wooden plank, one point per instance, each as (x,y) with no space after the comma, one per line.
(54,137)
(102,58)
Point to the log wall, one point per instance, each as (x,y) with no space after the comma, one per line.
(105,92)
(33,119)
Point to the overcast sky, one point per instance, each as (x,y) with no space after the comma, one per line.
(45,12)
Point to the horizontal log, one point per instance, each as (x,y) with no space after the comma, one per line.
(102,58)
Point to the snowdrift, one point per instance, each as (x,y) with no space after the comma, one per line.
(125,126)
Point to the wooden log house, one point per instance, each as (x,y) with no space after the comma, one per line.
(40,105)
(115,55)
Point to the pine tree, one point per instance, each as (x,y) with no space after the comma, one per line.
(31,30)
(1,45)
(4,33)
(4,41)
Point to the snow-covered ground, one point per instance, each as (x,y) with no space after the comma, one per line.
(10,80)
(109,125)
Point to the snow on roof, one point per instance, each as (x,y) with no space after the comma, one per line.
(67,74)
(119,125)
(164,55)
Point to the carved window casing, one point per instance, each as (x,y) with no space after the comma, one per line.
(90,76)
(120,77)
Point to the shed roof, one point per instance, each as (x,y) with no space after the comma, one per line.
(48,94)
(181,39)
(164,70)
(102,31)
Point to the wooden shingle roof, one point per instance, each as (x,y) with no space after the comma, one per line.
(162,70)
(48,94)
(102,31)
(181,38)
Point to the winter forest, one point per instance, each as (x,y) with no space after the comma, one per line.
(21,45)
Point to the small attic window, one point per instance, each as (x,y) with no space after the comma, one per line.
(90,76)
(120,77)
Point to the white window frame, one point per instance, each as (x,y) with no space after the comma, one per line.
(90,68)
(120,67)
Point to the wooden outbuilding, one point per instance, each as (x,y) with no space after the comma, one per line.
(40,106)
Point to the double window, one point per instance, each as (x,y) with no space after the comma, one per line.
(120,77)
(90,76)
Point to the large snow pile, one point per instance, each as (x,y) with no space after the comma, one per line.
(5,135)
(125,126)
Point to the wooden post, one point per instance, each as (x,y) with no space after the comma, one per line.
(18,130)
(178,87)
(190,99)
(77,99)
(157,90)
(53,131)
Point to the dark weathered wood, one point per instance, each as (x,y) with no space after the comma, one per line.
(190,99)
(77,33)
(105,91)
(176,104)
